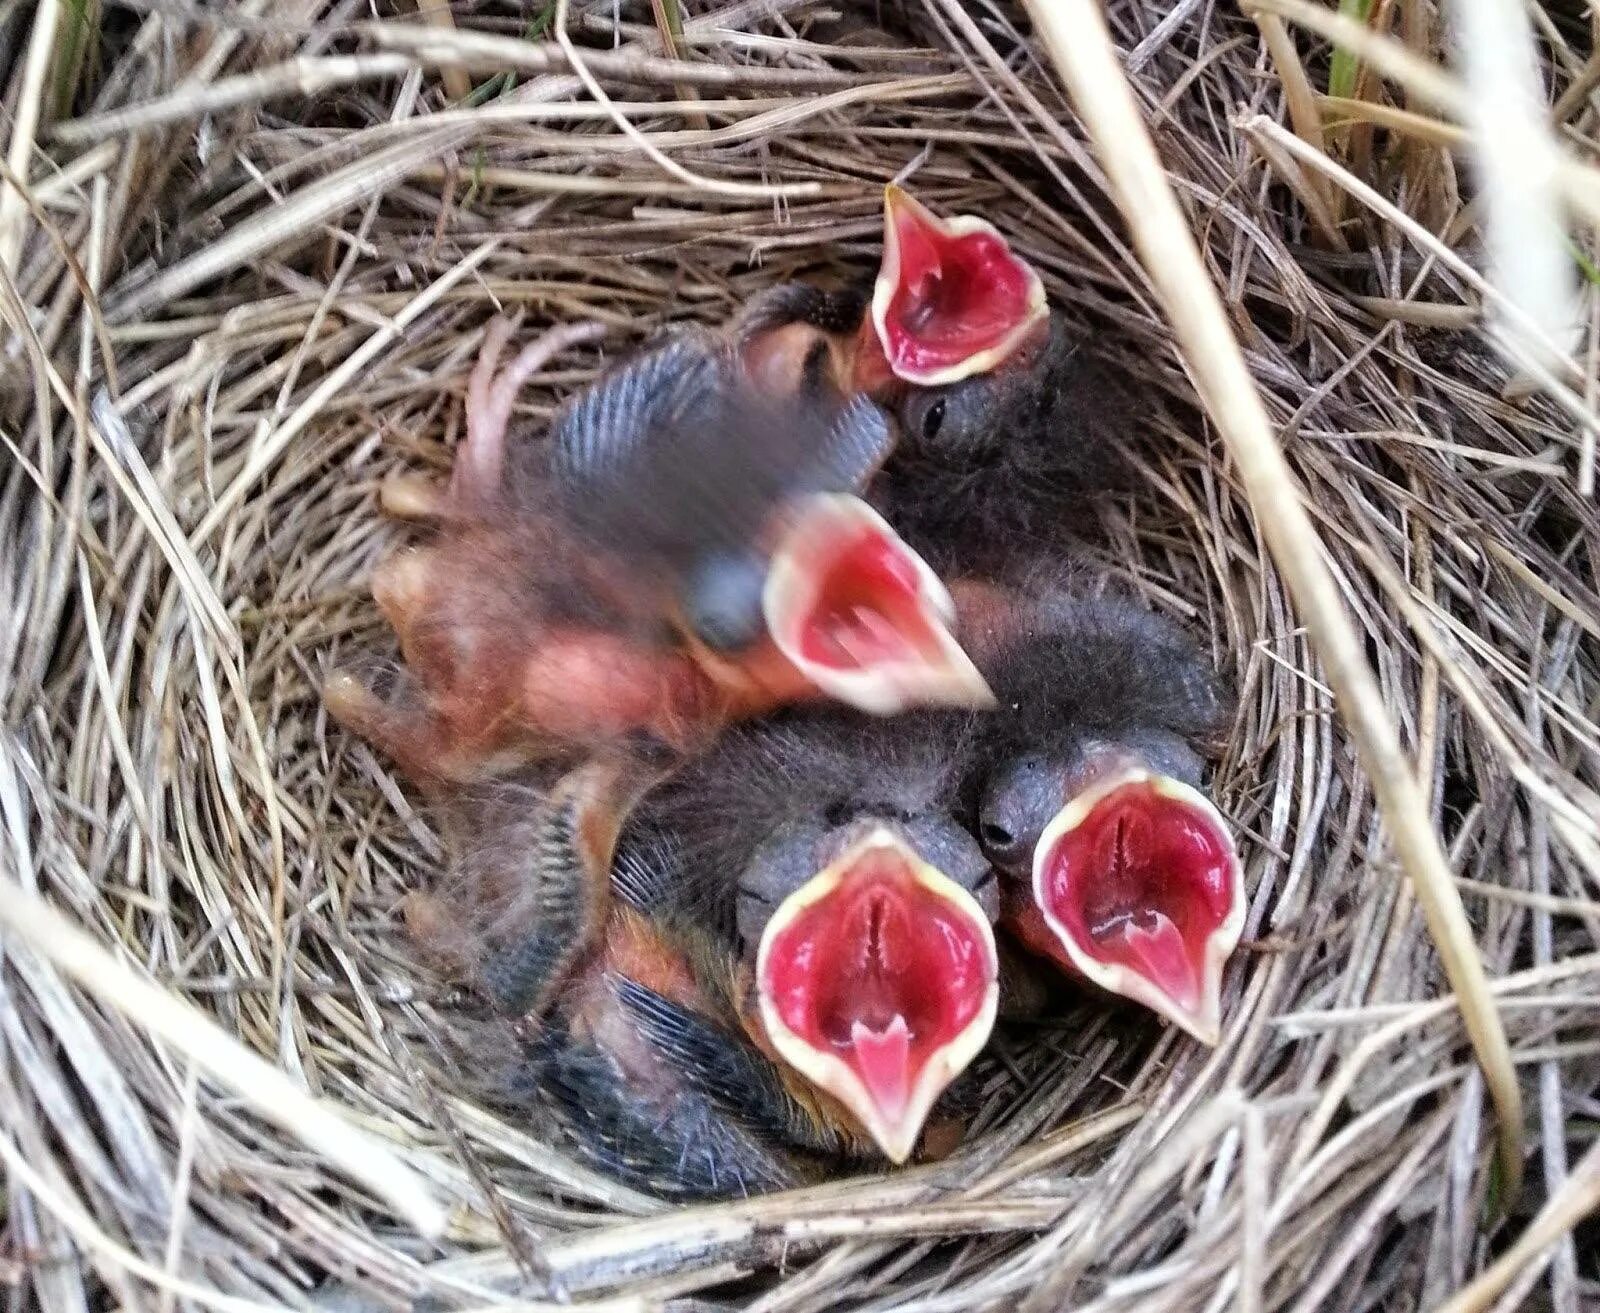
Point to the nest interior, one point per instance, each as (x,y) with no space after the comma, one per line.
(273,234)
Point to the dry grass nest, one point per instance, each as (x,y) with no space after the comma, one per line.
(272,235)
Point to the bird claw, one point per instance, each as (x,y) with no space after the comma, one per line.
(414,497)
(402,586)
(401,732)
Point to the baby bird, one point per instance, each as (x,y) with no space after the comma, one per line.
(683,552)
(1119,869)
(1004,416)
(568,946)
(832,857)
(707,1029)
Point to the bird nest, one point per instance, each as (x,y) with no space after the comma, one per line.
(252,263)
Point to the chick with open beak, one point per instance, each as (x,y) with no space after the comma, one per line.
(781,580)
(1120,869)
(610,1010)
(859,905)
(951,301)
(685,551)
(1005,416)
(877,980)
(776,962)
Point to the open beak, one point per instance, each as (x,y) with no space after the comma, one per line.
(861,615)
(878,982)
(951,299)
(1139,885)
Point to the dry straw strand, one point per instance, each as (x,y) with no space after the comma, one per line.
(20,153)
(36,926)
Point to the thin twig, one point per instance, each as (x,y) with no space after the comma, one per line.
(294,77)
(29,107)
(437,12)
(1577,1198)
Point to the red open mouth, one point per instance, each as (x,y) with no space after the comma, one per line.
(951,299)
(878,981)
(1140,885)
(862,616)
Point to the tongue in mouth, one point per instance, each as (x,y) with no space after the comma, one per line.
(883,1058)
(877,980)
(1140,885)
(868,608)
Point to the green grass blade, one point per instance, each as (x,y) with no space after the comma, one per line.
(1346,67)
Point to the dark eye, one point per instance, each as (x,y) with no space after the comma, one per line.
(997,837)
(933,419)
(723,600)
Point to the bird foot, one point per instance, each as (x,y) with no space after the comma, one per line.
(402,586)
(491,393)
(426,747)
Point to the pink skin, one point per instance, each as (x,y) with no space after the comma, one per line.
(494,678)
(490,397)
(951,300)
(1138,888)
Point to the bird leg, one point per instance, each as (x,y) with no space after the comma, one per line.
(403,587)
(491,395)
(416,497)
(402,728)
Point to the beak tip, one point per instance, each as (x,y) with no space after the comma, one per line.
(1204,1020)
(897,1152)
(897,200)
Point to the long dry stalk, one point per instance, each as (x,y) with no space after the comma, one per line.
(1078,42)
